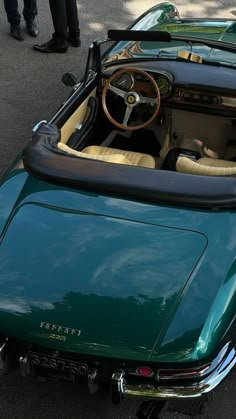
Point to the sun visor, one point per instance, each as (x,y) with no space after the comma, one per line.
(121,35)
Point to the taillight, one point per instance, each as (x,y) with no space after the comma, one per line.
(172,374)
(144,371)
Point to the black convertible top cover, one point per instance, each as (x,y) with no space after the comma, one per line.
(43,159)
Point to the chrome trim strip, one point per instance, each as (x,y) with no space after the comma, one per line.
(197,389)
(37,125)
(119,381)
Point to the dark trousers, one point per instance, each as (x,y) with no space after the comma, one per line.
(13,16)
(65,17)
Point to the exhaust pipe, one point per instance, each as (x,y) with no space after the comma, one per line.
(25,366)
(92,381)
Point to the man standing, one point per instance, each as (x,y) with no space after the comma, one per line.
(66,27)
(13,16)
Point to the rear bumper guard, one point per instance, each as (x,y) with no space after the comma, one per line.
(123,387)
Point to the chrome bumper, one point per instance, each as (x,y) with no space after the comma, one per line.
(122,387)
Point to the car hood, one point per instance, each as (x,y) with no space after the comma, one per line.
(96,284)
(224,31)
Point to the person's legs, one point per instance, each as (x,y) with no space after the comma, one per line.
(13,16)
(58,43)
(72,17)
(30,12)
(59,18)
(73,23)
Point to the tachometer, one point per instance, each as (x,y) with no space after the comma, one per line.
(164,86)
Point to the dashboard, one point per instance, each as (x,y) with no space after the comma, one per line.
(164,81)
(186,85)
(204,99)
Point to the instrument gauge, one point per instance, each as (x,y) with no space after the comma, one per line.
(124,82)
(164,86)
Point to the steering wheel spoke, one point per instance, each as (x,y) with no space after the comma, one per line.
(151,100)
(117,91)
(127,115)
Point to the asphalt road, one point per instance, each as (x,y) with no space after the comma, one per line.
(31,90)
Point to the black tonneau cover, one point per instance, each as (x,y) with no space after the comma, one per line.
(43,159)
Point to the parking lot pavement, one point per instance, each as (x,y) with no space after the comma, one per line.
(31,398)
(31,90)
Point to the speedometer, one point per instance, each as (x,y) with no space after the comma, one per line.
(124,81)
(164,86)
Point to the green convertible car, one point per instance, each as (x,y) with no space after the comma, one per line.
(118,219)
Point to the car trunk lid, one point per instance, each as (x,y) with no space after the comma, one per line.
(89,283)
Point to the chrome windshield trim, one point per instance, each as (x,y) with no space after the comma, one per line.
(196,389)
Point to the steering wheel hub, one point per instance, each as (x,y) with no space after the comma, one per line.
(132,98)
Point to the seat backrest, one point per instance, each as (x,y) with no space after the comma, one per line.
(135,158)
(111,155)
(111,158)
(206,167)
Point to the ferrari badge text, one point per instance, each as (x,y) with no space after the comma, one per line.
(60,329)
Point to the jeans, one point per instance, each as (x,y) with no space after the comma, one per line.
(13,16)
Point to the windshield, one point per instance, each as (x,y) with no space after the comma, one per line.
(205,32)
(142,50)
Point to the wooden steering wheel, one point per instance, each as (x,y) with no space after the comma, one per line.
(137,93)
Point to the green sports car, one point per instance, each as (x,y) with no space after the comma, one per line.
(118,219)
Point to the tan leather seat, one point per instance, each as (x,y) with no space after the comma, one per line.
(112,155)
(136,159)
(206,166)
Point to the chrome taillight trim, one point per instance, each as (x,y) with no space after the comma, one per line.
(183,374)
(201,371)
(226,361)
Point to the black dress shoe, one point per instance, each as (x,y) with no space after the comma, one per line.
(50,47)
(16,32)
(32,28)
(74,40)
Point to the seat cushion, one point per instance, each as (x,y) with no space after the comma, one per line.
(206,167)
(136,159)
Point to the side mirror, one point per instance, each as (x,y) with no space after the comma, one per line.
(69,79)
